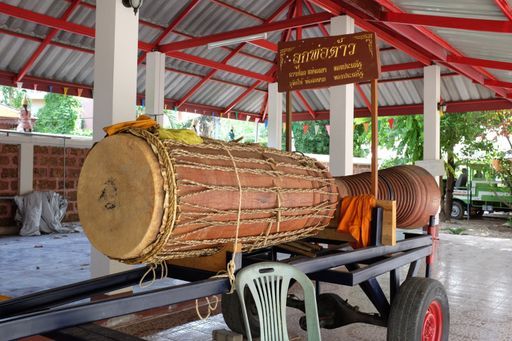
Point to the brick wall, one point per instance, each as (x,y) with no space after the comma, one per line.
(49,173)
(9,159)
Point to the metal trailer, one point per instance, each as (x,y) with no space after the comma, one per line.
(417,308)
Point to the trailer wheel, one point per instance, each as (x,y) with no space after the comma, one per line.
(232,313)
(419,312)
(457,210)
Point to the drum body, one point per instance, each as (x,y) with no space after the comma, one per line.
(414,189)
(145,200)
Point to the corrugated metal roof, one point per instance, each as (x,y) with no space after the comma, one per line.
(207,17)
(478,9)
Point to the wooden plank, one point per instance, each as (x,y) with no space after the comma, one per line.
(214,263)
(330,233)
(388,221)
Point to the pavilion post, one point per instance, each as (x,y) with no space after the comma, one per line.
(275,116)
(375,139)
(115,86)
(288,128)
(155,85)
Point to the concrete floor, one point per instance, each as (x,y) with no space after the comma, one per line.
(475,271)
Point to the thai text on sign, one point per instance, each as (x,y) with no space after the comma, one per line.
(328,61)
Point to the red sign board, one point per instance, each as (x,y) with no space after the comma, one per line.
(328,61)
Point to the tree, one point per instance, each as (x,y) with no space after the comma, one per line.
(405,138)
(12,97)
(466,131)
(58,115)
(308,139)
(499,126)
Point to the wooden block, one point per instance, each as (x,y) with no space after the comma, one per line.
(331,233)
(388,221)
(213,263)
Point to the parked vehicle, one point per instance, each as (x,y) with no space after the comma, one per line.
(475,192)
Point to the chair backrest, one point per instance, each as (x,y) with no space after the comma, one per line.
(268,283)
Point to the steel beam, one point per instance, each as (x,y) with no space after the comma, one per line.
(238,10)
(39,40)
(417,109)
(476,74)
(363,96)
(264,44)
(46,20)
(306,104)
(402,66)
(172,25)
(277,26)
(312,11)
(505,8)
(241,97)
(46,41)
(55,23)
(161,28)
(216,65)
(74,292)
(496,26)
(382,32)
(226,59)
(223,81)
(501,84)
(263,110)
(55,319)
(492,64)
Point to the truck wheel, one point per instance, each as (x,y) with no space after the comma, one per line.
(232,313)
(419,312)
(457,210)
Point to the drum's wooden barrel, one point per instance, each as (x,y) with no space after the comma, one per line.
(145,200)
(414,189)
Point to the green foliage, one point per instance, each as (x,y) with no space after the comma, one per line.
(11,96)
(58,115)
(467,131)
(456,230)
(362,137)
(310,142)
(318,143)
(405,138)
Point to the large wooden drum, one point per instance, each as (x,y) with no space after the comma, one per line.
(141,199)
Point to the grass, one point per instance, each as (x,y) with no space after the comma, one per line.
(456,230)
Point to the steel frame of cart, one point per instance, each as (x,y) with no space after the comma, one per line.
(43,312)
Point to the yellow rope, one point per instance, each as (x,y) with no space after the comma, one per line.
(231,264)
(211,307)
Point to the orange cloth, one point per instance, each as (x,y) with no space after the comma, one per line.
(356,215)
(142,122)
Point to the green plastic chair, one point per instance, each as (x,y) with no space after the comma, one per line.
(268,283)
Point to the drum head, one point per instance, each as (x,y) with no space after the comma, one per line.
(120,196)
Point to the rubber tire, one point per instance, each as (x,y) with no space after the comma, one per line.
(232,313)
(409,307)
(477,214)
(460,207)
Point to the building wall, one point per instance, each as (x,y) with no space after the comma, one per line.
(48,176)
(9,159)
(49,173)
